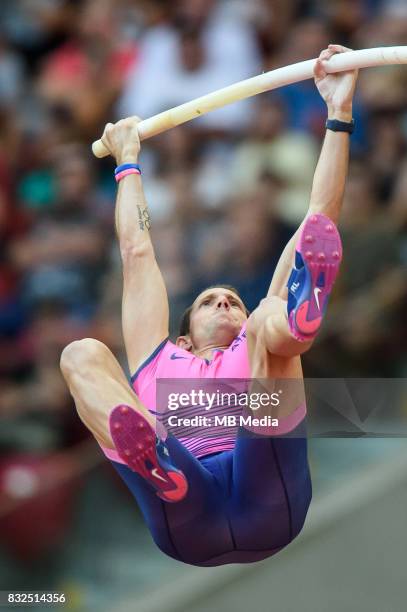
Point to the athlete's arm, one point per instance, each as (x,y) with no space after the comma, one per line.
(330,176)
(145,312)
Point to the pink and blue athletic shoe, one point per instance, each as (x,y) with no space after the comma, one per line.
(137,444)
(317,259)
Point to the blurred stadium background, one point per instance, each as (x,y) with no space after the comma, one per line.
(226,192)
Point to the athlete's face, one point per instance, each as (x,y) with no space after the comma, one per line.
(216,318)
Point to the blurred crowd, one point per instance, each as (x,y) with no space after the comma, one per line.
(226,192)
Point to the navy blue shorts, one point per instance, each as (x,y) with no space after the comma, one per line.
(242,505)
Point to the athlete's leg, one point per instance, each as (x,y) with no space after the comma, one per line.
(116,417)
(278,285)
(288,328)
(97,383)
(270,473)
(195,528)
(271,488)
(276,332)
(272,485)
(268,325)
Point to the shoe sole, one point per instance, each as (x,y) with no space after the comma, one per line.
(135,442)
(321,250)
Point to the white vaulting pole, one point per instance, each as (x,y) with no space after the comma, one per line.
(350,60)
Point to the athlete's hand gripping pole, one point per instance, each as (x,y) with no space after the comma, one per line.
(264,82)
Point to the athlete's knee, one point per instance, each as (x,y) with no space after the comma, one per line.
(274,305)
(80,354)
(258,318)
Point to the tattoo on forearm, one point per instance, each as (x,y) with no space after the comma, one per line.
(143,219)
(147,220)
(140,218)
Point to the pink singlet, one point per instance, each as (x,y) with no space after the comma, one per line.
(171,362)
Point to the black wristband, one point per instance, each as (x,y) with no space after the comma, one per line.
(340,126)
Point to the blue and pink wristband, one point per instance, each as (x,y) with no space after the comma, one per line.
(125,170)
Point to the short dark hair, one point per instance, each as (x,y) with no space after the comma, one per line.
(185,325)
